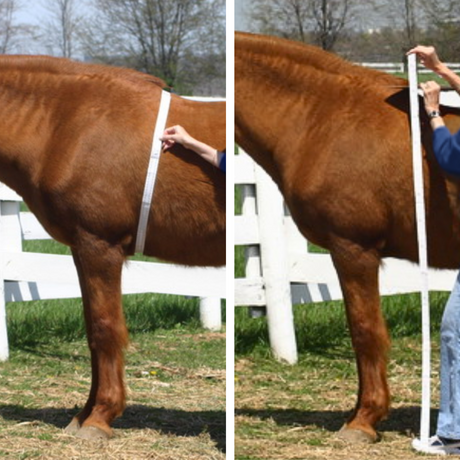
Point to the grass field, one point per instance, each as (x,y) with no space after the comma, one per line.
(293,412)
(175,375)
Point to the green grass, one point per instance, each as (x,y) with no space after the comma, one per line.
(321,327)
(30,323)
(422,77)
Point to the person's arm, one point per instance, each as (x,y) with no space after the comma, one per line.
(222,160)
(207,152)
(181,136)
(429,58)
(446,146)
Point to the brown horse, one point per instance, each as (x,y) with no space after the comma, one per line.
(75,143)
(335,137)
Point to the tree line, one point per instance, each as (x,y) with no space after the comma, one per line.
(375,30)
(180,41)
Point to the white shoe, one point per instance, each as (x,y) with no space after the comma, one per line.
(437,446)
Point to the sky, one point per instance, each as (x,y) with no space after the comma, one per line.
(241,22)
(33,13)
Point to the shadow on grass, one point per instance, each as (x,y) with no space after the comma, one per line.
(167,421)
(404,420)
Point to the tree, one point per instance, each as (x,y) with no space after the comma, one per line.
(330,18)
(8,29)
(443,23)
(159,36)
(286,18)
(411,21)
(319,21)
(61,30)
(408,18)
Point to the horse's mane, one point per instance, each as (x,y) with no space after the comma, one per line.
(301,54)
(61,66)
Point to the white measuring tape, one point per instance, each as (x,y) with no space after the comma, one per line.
(152,170)
(422,248)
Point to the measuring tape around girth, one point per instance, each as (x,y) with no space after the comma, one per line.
(422,248)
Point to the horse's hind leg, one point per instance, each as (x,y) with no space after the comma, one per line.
(99,268)
(358,274)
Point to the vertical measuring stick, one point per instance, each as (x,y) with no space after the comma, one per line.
(422,248)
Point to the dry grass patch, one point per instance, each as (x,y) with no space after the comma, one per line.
(176,401)
(294,412)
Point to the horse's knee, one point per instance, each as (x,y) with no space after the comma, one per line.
(370,341)
(108,336)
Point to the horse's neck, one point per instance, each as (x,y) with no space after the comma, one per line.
(264,113)
(24,132)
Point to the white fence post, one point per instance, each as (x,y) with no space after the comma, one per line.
(251,252)
(211,313)
(275,268)
(10,237)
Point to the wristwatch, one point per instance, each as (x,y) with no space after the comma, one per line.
(434,114)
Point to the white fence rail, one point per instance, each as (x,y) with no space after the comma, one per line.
(32,276)
(399,67)
(296,275)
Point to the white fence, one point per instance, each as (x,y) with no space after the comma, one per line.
(279,269)
(399,67)
(32,276)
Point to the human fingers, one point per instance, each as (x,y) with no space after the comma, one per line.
(167,144)
(170,130)
(431,95)
(430,86)
(421,49)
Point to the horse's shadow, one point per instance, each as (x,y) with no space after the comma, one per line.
(167,421)
(404,420)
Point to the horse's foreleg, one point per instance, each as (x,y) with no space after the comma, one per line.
(99,269)
(358,274)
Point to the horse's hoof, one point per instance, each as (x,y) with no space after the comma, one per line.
(353,435)
(73,427)
(92,433)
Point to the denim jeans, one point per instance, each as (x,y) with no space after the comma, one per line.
(449,409)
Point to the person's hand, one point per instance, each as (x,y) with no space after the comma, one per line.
(428,57)
(175,134)
(431,94)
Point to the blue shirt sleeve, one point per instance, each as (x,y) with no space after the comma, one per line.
(223,163)
(446,148)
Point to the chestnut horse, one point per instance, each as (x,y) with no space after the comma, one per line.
(75,143)
(335,138)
